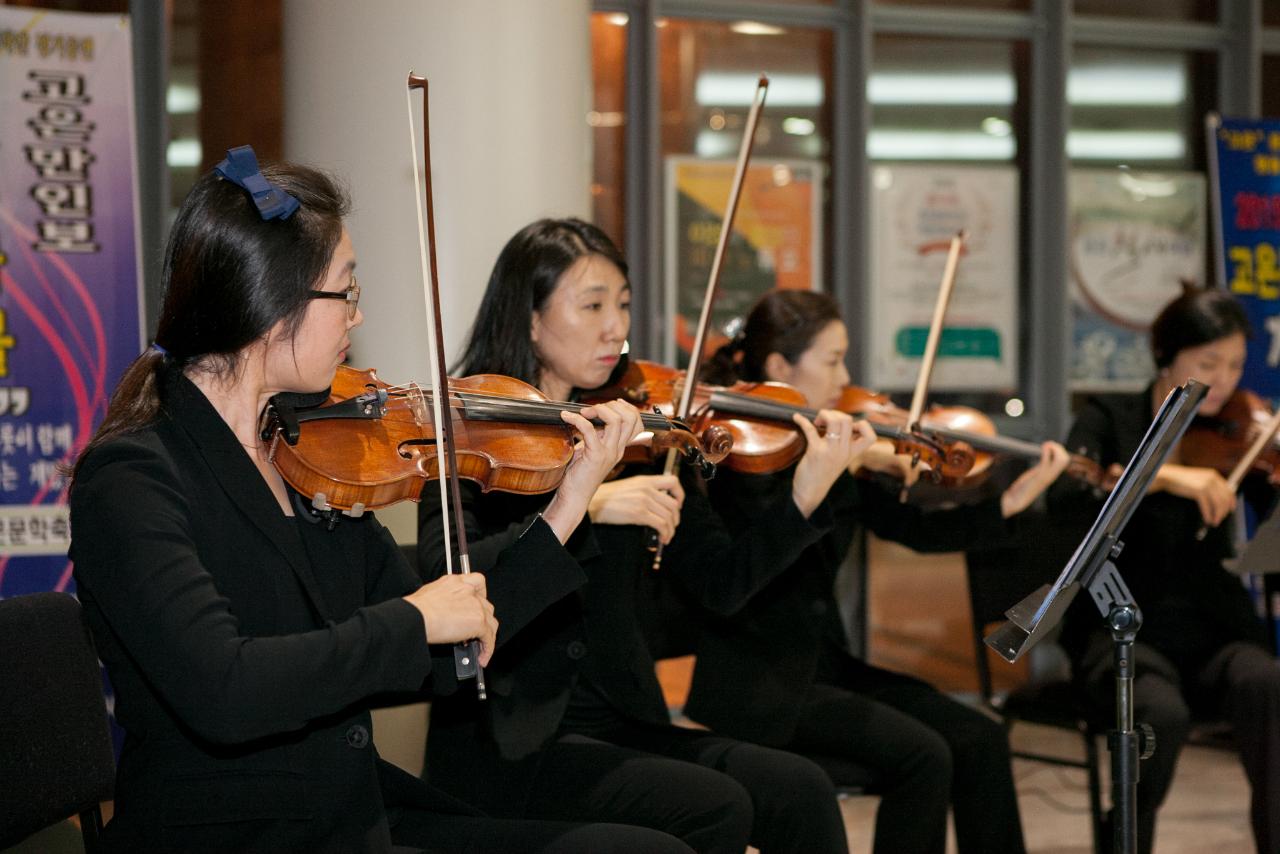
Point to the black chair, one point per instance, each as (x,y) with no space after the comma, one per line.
(56,754)
(998,578)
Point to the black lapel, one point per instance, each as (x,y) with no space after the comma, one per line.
(240,479)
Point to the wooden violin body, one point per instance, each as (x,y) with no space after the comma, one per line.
(1221,441)
(373,463)
(957,443)
(758,417)
(373,444)
(967,425)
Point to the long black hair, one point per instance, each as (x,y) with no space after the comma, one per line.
(1197,317)
(781,321)
(229,277)
(523,277)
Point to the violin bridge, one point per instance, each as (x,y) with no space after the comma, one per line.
(418,404)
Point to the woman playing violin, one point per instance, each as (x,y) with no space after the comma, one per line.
(921,751)
(576,727)
(245,641)
(1202,651)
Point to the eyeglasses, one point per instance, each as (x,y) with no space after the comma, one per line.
(351,295)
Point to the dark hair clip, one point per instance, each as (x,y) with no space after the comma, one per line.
(241,169)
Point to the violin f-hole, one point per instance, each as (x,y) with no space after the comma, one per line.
(406,454)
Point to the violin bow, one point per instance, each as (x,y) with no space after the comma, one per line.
(1259,444)
(930,354)
(466,655)
(685,404)
(1246,462)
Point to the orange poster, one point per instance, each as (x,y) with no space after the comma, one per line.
(776,240)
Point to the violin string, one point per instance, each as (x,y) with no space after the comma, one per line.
(479,403)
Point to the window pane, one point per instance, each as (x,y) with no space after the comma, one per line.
(708,73)
(1136,230)
(1003,5)
(183,100)
(1270,94)
(1141,108)
(607,120)
(947,121)
(934,99)
(1168,10)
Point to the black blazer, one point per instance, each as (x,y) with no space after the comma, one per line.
(488,755)
(1191,606)
(754,668)
(243,646)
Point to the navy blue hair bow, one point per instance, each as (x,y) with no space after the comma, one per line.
(241,168)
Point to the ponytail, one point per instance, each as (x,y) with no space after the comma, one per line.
(134,404)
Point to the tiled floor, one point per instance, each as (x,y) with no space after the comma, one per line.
(1207,810)
(920,625)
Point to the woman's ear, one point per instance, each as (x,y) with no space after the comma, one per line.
(777,368)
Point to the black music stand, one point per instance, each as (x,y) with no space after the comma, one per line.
(1091,567)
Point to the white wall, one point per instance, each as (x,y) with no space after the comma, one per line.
(510,83)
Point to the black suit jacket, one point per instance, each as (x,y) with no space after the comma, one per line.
(488,755)
(243,645)
(754,668)
(1191,606)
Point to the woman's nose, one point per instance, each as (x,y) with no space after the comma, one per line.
(617,326)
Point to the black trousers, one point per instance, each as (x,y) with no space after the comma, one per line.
(714,793)
(924,752)
(433,833)
(1240,684)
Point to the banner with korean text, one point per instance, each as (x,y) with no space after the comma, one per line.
(70,292)
(1244,166)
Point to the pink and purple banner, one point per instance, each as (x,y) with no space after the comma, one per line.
(70,288)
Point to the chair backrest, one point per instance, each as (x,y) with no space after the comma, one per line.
(1001,576)
(56,755)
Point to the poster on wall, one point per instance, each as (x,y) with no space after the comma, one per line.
(916,210)
(776,240)
(70,293)
(1134,237)
(1244,158)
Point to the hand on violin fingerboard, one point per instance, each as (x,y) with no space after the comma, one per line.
(1023,492)
(1205,486)
(827,455)
(881,457)
(650,500)
(594,456)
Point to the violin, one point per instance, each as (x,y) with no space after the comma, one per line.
(968,425)
(370,444)
(957,443)
(1226,441)
(757,415)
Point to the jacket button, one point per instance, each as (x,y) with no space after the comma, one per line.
(358,736)
(577,650)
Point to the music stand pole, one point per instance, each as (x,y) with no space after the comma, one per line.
(1128,744)
(1091,568)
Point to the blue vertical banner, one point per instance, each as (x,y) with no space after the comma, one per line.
(70,292)
(1244,158)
